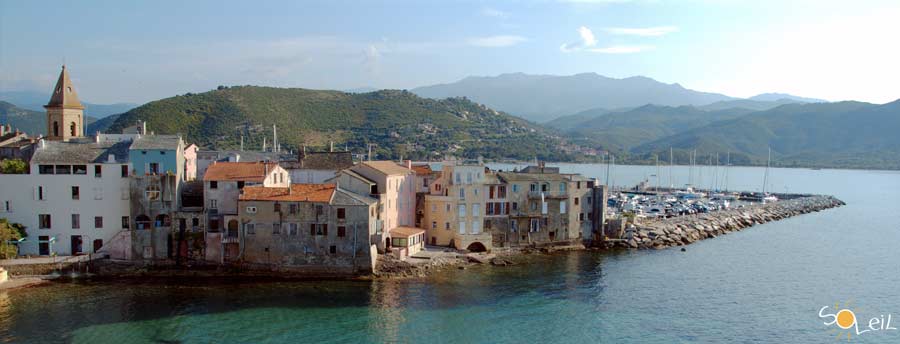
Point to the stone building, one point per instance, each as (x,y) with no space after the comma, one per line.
(223,183)
(15,144)
(311,228)
(317,167)
(454,208)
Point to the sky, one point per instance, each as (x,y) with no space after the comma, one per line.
(138,51)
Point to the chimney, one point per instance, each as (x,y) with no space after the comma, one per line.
(409,164)
(97,137)
(332,146)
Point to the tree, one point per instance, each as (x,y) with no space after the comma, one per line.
(13,166)
(10,232)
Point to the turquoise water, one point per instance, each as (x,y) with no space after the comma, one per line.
(765,284)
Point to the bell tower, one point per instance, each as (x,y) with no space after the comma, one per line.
(65,114)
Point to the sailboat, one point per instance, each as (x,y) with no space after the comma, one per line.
(766,197)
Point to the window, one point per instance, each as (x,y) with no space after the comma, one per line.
(458,179)
(154,168)
(6,207)
(491,190)
(533,206)
(544,207)
(341,213)
(476,210)
(433,208)
(469,178)
(562,187)
(462,210)
(576,200)
(448,208)
(251,210)
(332,249)
(40,193)
(98,221)
(321,210)
(213,204)
(125,222)
(63,169)
(433,224)
(76,193)
(462,227)
(152,192)
(447,225)
(581,217)
(195,222)
(476,227)
(98,171)
(79,169)
(544,187)
(535,225)
(45,169)
(513,226)
(277,207)
(515,188)
(534,187)
(292,229)
(292,208)
(250,228)
(578,185)
(515,205)
(213,184)
(276,228)
(214,225)
(342,231)
(124,171)
(44,221)
(462,193)
(501,191)
(588,200)
(240,184)
(475,190)
(318,229)
(562,207)
(98,193)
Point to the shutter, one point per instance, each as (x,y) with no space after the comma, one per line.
(325,229)
(312,229)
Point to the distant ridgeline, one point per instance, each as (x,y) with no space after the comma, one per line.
(397,122)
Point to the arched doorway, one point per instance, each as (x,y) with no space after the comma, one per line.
(55,128)
(232,229)
(476,247)
(73,129)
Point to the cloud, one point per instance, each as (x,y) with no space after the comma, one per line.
(493,13)
(587,40)
(645,31)
(497,41)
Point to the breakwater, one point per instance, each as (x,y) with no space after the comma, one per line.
(684,230)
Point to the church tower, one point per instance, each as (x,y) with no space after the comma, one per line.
(65,114)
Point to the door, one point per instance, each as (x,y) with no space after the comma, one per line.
(76,244)
(98,244)
(44,245)
(433,241)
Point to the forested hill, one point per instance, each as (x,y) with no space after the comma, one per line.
(398,122)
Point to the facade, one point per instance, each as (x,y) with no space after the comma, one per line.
(74,200)
(190,162)
(316,228)
(205,158)
(222,186)
(65,114)
(407,241)
(454,208)
(392,185)
(317,167)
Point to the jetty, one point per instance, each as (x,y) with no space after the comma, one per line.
(659,233)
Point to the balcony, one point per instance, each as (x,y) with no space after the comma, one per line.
(547,194)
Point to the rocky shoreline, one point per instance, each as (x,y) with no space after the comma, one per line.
(684,230)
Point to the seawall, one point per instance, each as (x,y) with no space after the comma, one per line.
(684,230)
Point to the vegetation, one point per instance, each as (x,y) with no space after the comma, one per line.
(396,122)
(10,232)
(32,122)
(13,166)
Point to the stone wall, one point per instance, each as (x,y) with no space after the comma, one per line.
(685,230)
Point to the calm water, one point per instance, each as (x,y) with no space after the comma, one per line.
(763,285)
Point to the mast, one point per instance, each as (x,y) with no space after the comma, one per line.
(766,175)
(671,163)
(657,172)
(607,168)
(727,168)
(716,173)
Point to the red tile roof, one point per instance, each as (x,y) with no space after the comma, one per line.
(422,170)
(320,193)
(238,171)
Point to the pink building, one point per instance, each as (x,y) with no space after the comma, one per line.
(190,162)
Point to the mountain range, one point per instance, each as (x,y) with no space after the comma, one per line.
(35,123)
(35,101)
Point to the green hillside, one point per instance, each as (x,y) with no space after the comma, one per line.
(621,131)
(398,122)
(844,134)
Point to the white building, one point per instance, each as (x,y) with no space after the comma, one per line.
(75,200)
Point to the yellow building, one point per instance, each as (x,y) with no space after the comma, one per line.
(454,208)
